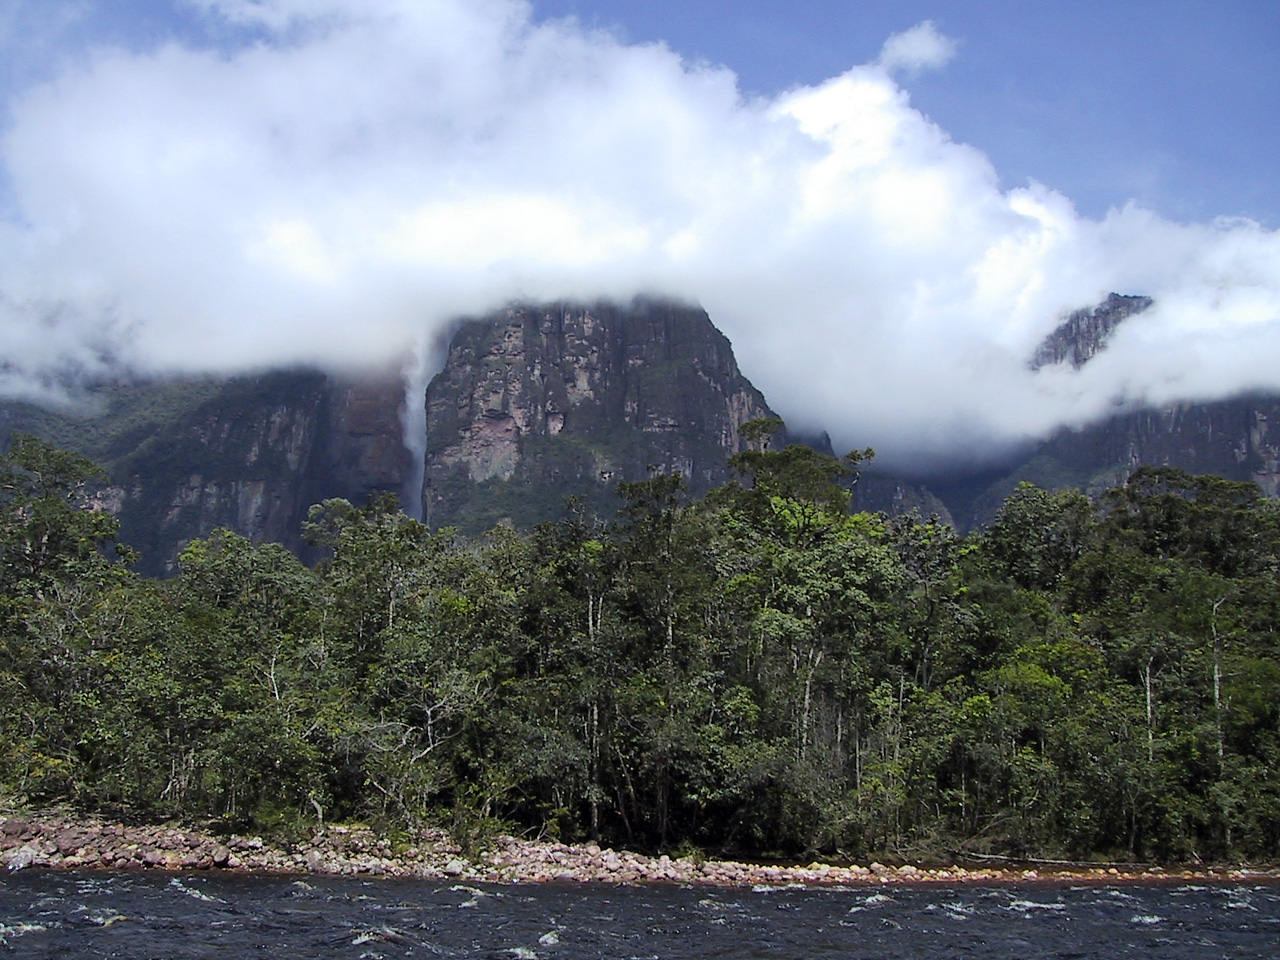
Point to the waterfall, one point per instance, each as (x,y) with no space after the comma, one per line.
(417,373)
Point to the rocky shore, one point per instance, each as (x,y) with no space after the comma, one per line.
(56,842)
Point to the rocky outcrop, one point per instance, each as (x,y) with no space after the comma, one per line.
(880,493)
(1235,438)
(537,403)
(1230,438)
(534,404)
(1084,333)
(540,402)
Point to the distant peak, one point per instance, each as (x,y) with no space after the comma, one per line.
(1084,333)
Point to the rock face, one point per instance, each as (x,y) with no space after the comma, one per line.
(1237,438)
(247,453)
(1084,333)
(258,455)
(881,493)
(536,403)
(540,402)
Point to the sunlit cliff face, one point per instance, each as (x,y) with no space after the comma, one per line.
(333,182)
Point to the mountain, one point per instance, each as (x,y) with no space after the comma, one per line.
(540,402)
(1084,333)
(1237,438)
(250,453)
(536,403)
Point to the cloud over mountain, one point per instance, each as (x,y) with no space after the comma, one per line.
(327,181)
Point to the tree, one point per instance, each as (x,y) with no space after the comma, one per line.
(1037,535)
(796,472)
(50,527)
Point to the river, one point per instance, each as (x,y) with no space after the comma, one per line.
(153,915)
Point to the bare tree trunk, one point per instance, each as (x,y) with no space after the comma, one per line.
(1148,681)
(1217,676)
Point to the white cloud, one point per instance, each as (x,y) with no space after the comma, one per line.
(920,48)
(351,176)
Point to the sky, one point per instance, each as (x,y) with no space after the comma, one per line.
(885,204)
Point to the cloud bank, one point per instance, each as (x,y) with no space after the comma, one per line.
(332,180)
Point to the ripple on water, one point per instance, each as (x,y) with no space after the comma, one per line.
(93,885)
(1114,894)
(1239,899)
(47,915)
(1028,907)
(379,935)
(1146,919)
(777,887)
(954,910)
(194,894)
(10,933)
(100,917)
(871,902)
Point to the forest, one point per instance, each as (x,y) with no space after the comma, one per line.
(757,673)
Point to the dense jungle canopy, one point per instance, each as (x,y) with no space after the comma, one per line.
(757,672)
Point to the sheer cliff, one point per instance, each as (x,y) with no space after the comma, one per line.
(1231,438)
(1238,439)
(252,454)
(537,403)
(1084,333)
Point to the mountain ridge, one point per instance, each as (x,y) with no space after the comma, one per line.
(537,402)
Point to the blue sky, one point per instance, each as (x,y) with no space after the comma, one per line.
(885,205)
(1170,102)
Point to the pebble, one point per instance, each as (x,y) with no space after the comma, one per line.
(55,842)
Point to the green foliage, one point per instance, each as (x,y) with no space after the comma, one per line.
(48,533)
(1038,535)
(755,671)
(808,480)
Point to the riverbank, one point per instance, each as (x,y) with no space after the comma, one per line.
(57,842)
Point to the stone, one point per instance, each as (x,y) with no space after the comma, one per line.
(21,857)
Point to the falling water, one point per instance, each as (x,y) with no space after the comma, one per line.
(417,372)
